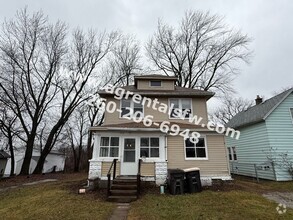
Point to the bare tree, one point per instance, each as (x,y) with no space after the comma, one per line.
(201,52)
(229,108)
(124,62)
(9,131)
(76,130)
(84,55)
(46,75)
(31,51)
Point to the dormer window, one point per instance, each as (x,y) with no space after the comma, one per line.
(156,83)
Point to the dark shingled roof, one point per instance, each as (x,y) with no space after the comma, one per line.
(178,92)
(4,155)
(258,112)
(156,76)
(142,126)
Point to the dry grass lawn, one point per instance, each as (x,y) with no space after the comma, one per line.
(55,200)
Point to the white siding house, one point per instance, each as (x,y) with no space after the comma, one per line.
(54,161)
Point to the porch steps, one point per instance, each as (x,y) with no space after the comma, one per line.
(123,189)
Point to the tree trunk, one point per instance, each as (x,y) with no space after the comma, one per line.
(11,150)
(89,145)
(25,168)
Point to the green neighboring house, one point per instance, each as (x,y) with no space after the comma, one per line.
(266,132)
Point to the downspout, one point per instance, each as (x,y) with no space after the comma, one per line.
(166,149)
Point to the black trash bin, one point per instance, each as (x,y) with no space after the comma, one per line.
(193,183)
(176,181)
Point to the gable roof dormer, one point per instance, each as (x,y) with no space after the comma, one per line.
(154,82)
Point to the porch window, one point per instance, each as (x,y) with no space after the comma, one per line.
(109,147)
(127,104)
(149,147)
(197,150)
(180,108)
(232,153)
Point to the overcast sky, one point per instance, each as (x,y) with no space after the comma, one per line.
(269,23)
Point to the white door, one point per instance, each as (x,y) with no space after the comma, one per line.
(129,160)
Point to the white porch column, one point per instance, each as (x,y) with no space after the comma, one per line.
(160,172)
(95,170)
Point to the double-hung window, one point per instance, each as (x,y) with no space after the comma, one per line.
(130,108)
(149,147)
(180,108)
(195,150)
(109,147)
(232,153)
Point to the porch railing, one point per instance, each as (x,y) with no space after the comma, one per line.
(138,177)
(113,165)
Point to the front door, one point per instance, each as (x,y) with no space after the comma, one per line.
(129,161)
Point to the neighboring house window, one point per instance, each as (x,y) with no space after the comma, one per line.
(109,147)
(232,153)
(180,108)
(156,83)
(197,150)
(149,147)
(291,111)
(127,104)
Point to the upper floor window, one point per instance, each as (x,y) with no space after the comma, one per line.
(156,83)
(180,108)
(129,108)
(109,147)
(149,147)
(197,150)
(232,153)
(291,111)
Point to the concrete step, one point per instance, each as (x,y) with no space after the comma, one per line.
(125,181)
(115,192)
(124,187)
(122,199)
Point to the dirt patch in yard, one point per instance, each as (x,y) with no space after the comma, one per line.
(285,198)
(19,180)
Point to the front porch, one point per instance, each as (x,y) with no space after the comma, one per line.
(128,148)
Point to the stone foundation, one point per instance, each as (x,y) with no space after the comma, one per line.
(160,172)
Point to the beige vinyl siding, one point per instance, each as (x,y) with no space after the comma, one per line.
(199,109)
(148,169)
(106,167)
(145,85)
(216,165)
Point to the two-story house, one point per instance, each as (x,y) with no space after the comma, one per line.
(266,134)
(130,140)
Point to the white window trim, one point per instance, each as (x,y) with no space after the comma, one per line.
(197,158)
(233,153)
(230,150)
(150,83)
(131,106)
(162,147)
(149,147)
(169,112)
(99,148)
(291,114)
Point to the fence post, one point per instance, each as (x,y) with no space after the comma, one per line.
(256,173)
